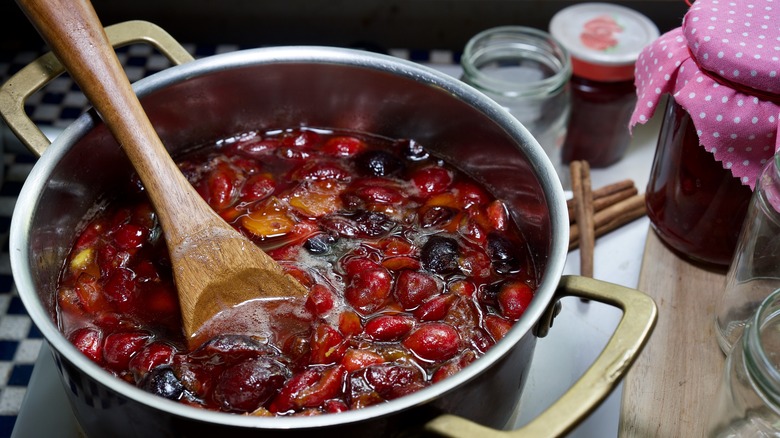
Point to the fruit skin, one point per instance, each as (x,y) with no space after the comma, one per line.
(412,288)
(368,291)
(514,297)
(385,328)
(249,384)
(433,341)
(309,388)
(440,254)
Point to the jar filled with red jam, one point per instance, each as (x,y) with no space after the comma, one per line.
(695,205)
(604,41)
(720,127)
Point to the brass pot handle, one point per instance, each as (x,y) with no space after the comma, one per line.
(630,337)
(32,77)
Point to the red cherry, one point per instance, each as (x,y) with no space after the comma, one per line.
(90,235)
(433,341)
(355,359)
(120,287)
(221,186)
(343,146)
(257,187)
(412,288)
(309,388)
(401,263)
(497,326)
(380,195)
(320,300)
(368,291)
(248,385)
(431,180)
(151,356)
(452,366)
(90,342)
(469,194)
(497,215)
(327,345)
(355,265)
(349,323)
(387,328)
(119,348)
(334,406)
(436,308)
(86,294)
(300,138)
(513,298)
(321,170)
(391,381)
(109,258)
(255,148)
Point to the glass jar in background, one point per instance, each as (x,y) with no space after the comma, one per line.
(604,41)
(747,402)
(527,72)
(695,205)
(755,268)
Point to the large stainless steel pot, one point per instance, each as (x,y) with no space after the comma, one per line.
(218,96)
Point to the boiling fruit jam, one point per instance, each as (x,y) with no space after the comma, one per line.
(413,271)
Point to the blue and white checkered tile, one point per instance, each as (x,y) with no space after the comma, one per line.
(20,340)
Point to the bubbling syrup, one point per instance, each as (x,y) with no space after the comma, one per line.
(413,270)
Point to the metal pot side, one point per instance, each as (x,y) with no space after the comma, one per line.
(271,88)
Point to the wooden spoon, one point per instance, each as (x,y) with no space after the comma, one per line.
(215,267)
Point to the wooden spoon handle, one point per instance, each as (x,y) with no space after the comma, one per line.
(74,32)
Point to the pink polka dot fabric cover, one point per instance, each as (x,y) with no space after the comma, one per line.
(722,67)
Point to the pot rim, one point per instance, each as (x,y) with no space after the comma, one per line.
(28,200)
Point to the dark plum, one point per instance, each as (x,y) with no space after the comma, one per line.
(320,244)
(162,381)
(378,162)
(440,254)
(436,216)
(503,255)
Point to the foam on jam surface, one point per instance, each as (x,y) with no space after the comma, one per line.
(413,269)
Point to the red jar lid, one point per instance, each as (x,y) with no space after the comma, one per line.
(604,40)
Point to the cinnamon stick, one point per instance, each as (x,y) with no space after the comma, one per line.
(583,207)
(611,218)
(605,196)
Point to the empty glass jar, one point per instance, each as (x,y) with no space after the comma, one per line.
(755,269)
(747,403)
(526,71)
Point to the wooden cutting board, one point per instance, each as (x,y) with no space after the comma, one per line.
(667,391)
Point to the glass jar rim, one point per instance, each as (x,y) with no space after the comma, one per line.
(762,370)
(555,55)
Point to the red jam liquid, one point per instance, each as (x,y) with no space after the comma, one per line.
(413,271)
(598,125)
(695,205)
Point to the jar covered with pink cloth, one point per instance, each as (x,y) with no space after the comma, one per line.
(719,130)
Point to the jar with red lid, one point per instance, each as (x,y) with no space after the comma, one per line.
(720,126)
(604,41)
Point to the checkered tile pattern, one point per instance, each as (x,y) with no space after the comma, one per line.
(57,105)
